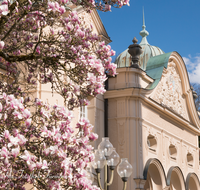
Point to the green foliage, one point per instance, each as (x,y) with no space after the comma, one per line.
(197,101)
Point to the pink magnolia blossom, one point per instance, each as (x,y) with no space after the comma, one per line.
(15,152)
(26,156)
(22,139)
(44,164)
(6,161)
(28,122)
(4,8)
(31,165)
(1,45)
(13,141)
(62,9)
(16,9)
(4,152)
(51,6)
(43,141)
(93,136)
(6,134)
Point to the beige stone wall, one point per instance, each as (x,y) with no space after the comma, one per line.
(169,133)
(96,117)
(125,134)
(132,121)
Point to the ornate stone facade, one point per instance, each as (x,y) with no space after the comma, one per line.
(157,127)
(169,90)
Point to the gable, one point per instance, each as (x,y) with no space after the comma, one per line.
(173,90)
(169,91)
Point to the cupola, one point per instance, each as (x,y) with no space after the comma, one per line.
(148,51)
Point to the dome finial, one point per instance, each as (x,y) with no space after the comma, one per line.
(143,20)
(144,33)
(135,50)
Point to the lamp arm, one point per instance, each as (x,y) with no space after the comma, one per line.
(125,185)
(105,176)
(99,180)
(111,177)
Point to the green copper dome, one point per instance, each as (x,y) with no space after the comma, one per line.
(124,59)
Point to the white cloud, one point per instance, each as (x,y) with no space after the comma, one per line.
(193,67)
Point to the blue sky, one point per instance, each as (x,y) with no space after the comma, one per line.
(173,25)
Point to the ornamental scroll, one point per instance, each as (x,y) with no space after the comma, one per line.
(169,90)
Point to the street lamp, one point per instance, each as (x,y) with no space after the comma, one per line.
(107,156)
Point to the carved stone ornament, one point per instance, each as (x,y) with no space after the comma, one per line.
(151,132)
(169,90)
(172,142)
(190,150)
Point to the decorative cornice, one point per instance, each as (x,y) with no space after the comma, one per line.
(140,94)
(137,71)
(100,27)
(132,92)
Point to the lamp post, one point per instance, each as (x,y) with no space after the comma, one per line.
(107,157)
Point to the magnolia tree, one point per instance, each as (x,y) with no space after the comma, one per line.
(46,42)
(42,149)
(54,46)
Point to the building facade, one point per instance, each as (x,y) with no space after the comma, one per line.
(152,120)
(149,115)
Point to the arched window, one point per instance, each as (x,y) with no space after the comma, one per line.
(190,159)
(172,151)
(152,142)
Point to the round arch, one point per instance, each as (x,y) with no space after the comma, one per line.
(148,184)
(154,174)
(175,178)
(192,182)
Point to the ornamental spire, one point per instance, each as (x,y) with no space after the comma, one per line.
(143,20)
(144,33)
